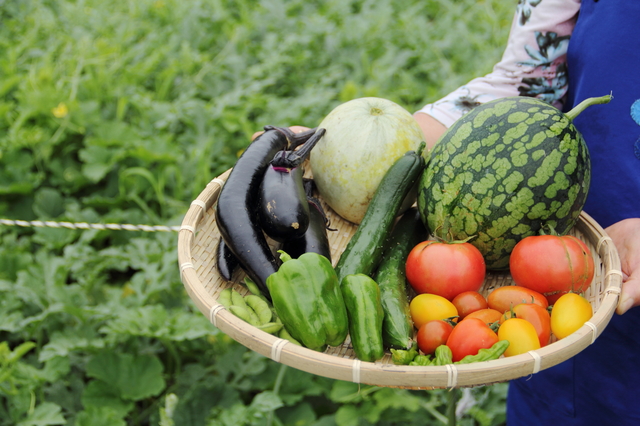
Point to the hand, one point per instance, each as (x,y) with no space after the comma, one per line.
(626,237)
(294,129)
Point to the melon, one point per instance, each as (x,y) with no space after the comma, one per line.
(363,138)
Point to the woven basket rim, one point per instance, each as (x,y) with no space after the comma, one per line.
(338,364)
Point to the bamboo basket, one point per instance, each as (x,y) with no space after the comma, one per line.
(199,236)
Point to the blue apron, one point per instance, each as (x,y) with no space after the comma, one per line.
(599,386)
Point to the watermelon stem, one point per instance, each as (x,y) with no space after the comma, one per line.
(587,103)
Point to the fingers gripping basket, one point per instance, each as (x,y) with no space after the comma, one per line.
(199,236)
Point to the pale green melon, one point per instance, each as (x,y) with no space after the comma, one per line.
(363,138)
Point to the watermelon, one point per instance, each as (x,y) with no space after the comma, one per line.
(504,171)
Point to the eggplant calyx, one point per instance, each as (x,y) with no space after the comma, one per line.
(290,159)
(293,139)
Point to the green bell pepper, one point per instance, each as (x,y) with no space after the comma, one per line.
(306,296)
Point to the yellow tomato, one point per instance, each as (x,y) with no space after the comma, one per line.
(426,307)
(521,334)
(569,313)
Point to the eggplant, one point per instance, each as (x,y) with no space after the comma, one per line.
(226,261)
(282,207)
(236,214)
(315,239)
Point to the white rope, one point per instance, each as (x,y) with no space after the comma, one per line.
(213,314)
(217,181)
(537,359)
(276,349)
(188,228)
(593,328)
(613,272)
(199,203)
(601,241)
(452,376)
(84,225)
(355,371)
(185,266)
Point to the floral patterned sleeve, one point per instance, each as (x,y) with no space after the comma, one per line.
(533,63)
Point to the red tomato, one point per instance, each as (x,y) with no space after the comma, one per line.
(536,315)
(504,298)
(468,302)
(552,264)
(445,269)
(488,316)
(469,336)
(433,334)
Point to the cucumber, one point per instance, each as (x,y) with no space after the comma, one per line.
(364,251)
(397,327)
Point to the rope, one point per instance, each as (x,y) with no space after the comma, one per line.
(84,225)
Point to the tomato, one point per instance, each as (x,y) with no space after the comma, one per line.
(535,314)
(469,301)
(504,298)
(552,264)
(569,313)
(521,334)
(553,298)
(426,307)
(488,315)
(445,269)
(433,334)
(469,336)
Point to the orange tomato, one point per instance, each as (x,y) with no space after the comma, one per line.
(469,301)
(488,315)
(538,317)
(504,298)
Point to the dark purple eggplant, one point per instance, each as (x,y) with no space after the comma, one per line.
(283,209)
(226,261)
(236,213)
(315,239)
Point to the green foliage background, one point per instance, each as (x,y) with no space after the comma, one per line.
(121,112)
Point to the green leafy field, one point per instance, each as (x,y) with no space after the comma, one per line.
(121,112)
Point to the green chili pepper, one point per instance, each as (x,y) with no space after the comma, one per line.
(443,356)
(421,360)
(306,296)
(364,307)
(494,352)
(403,356)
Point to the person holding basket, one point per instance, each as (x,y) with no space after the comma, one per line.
(565,51)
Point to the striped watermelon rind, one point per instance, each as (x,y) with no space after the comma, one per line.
(502,172)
